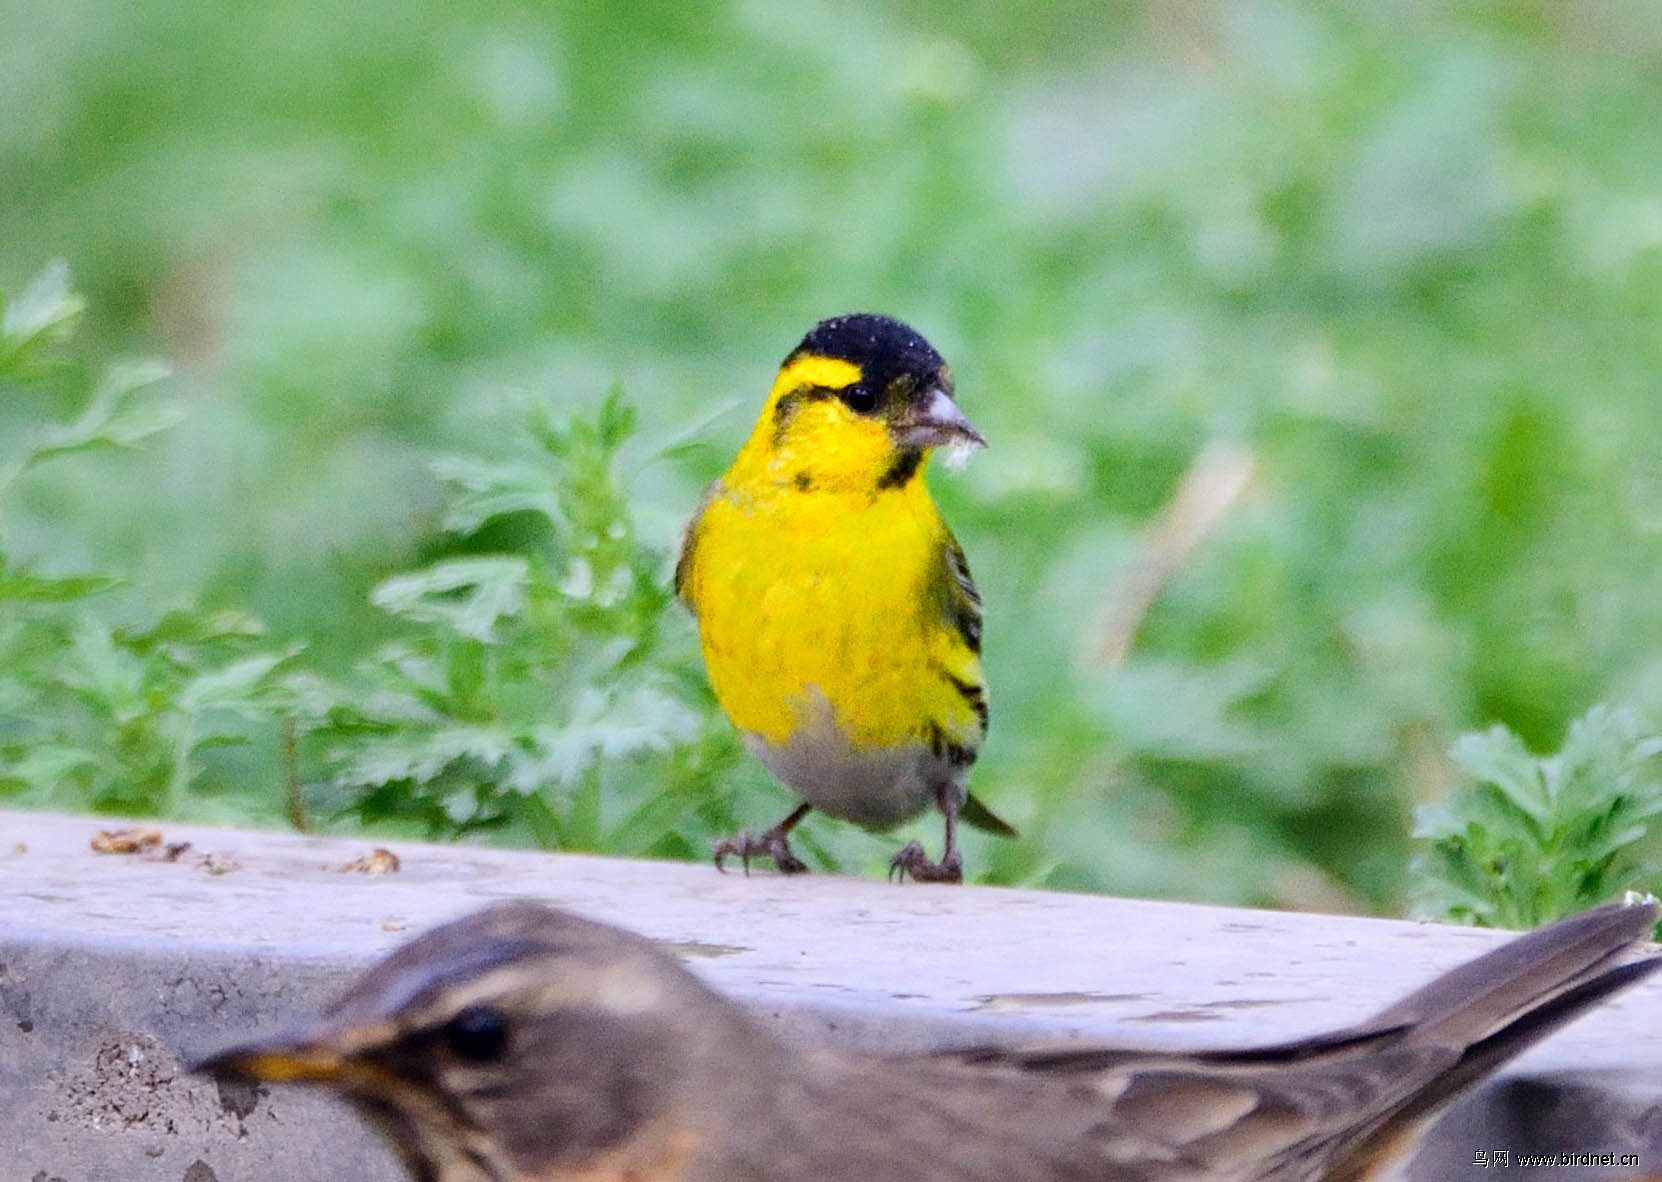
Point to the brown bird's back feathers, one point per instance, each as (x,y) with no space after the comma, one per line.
(522,1044)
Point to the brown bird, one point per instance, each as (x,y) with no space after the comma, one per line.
(522,1044)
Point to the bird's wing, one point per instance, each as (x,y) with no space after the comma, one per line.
(1328,1107)
(689,547)
(961,609)
(960,599)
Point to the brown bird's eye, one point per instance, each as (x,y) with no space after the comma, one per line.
(860,398)
(478,1034)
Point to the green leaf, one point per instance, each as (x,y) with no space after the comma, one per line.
(604,727)
(44,313)
(1498,757)
(20,585)
(616,420)
(39,775)
(422,756)
(115,417)
(467,595)
(238,685)
(1529,839)
(481,490)
(104,672)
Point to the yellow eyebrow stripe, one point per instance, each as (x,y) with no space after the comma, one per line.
(830,372)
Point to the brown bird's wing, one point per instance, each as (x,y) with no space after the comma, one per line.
(1330,1107)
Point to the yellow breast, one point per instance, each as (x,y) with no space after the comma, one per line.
(798,591)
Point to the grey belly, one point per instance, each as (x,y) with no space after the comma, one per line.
(877,788)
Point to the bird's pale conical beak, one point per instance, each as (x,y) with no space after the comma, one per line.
(933,419)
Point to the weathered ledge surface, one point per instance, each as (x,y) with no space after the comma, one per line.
(115,967)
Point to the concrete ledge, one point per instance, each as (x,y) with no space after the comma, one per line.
(114,967)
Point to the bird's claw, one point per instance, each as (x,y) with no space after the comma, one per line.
(771,844)
(911,860)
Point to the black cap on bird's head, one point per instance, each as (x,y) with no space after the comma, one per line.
(902,381)
(882,347)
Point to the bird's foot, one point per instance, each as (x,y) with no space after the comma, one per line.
(769,844)
(911,860)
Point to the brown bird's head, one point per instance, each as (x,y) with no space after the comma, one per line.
(511,1045)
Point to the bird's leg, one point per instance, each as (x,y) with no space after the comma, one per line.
(770,843)
(913,861)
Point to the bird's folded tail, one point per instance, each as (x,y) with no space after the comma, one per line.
(1489,1009)
(1334,1105)
(1493,1008)
(1473,1001)
(973,812)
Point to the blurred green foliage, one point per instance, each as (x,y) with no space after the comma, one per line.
(1528,840)
(532,690)
(93,714)
(1409,259)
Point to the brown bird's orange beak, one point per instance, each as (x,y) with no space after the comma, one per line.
(278,1065)
(291,1058)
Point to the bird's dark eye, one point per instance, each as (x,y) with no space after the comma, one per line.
(860,398)
(478,1034)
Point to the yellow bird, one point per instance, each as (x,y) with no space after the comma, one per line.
(840,627)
